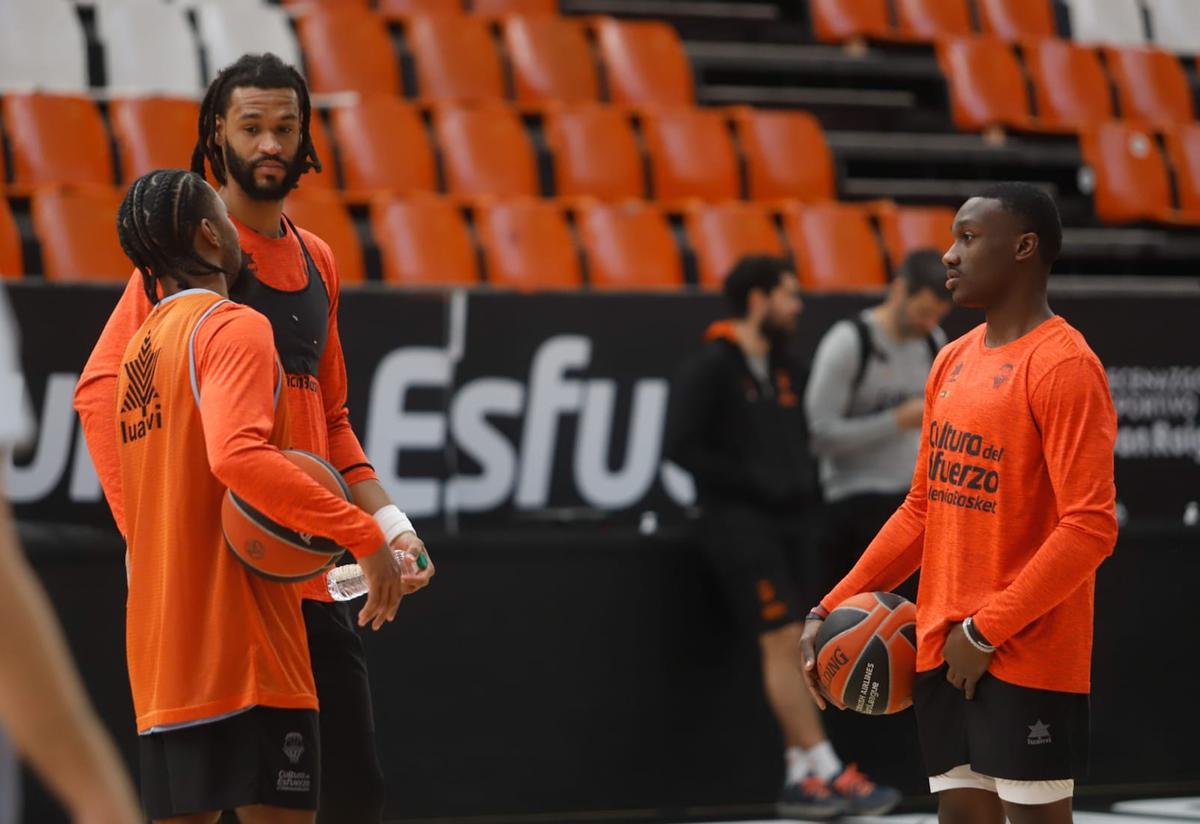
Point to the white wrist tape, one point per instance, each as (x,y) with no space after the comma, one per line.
(393,522)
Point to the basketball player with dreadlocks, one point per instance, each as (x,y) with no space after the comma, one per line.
(222,688)
(254,135)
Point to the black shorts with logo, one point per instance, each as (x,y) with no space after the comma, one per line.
(262,756)
(1005,731)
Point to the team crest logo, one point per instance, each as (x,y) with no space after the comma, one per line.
(955,373)
(1002,375)
(293,746)
(141,397)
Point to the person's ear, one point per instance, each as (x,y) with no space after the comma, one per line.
(206,233)
(219,132)
(1027,246)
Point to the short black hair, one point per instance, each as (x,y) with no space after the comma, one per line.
(1037,211)
(923,269)
(157,222)
(259,71)
(762,272)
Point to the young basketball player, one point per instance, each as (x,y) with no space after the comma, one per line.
(222,686)
(1012,510)
(255,138)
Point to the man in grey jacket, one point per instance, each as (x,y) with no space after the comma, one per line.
(864,400)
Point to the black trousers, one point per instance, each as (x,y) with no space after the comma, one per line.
(849,526)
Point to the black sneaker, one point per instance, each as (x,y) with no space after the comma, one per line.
(810,798)
(863,796)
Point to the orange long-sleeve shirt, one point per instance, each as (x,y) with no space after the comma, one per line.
(319,419)
(198,408)
(1012,506)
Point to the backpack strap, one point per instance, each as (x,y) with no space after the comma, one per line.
(866,349)
(934,346)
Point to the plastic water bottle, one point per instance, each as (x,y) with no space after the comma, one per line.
(347,582)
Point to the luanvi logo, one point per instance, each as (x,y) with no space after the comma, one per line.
(140,394)
(1039,733)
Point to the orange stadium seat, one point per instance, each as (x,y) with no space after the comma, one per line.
(321,212)
(423,241)
(456,58)
(986,85)
(551,59)
(327,177)
(691,154)
(486,152)
(328,4)
(838,20)
(629,245)
(57,139)
(834,247)
(1183,150)
(721,234)
(906,229)
(929,19)
(595,152)
(1130,174)
(1069,84)
(1014,20)
(399,9)
(1152,86)
(645,63)
(527,244)
(786,155)
(153,133)
(384,147)
(348,49)
(11,265)
(498,7)
(77,231)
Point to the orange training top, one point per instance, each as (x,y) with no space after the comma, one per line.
(198,408)
(319,420)
(1012,506)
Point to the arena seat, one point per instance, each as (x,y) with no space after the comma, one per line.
(1152,86)
(423,241)
(227,31)
(42,45)
(1113,22)
(528,245)
(906,229)
(321,212)
(77,231)
(629,245)
(691,154)
(927,20)
(987,88)
(501,7)
(384,147)
(456,58)
(349,49)
(1130,174)
(1017,20)
(551,59)
(153,133)
(149,48)
(1183,151)
(402,9)
(786,155)
(835,21)
(1070,86)
(645,63)
(595,152)
(834,247)
(57,139)
(723,233)
(1175,24)
(486,152)
(11,265)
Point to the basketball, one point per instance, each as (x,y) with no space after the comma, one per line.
(867,652)
(273,550)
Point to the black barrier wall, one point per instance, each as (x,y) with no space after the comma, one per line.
(579,666)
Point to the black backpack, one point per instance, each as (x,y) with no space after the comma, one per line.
(867,349)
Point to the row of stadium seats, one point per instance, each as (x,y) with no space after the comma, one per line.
(384,146)
(1174,24)
(528,243)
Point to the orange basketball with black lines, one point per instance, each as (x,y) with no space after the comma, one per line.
(867,653)
(276,551)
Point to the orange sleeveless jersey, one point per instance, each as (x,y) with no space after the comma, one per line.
(319,421)
(198,408)
(1012,506)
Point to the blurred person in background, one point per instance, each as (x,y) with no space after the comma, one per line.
(43,706)
(864,401)
(736,423)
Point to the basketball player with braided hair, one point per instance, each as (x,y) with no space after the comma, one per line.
(223,691)
(254,136)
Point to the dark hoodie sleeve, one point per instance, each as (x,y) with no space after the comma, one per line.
(691,422)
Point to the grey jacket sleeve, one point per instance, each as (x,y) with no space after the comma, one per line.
(827,395)
(15,424)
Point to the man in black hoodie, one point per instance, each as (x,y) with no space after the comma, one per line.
(737,423)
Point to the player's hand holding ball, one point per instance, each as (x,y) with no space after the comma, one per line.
(808,659)
(966,662)
(385,587)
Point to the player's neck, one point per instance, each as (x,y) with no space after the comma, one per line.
(263,216)
(213,283)
(751,338)
(1017,315)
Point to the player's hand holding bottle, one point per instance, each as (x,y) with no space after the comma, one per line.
(385,587)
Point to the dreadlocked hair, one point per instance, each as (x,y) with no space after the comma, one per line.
(259,71)
(156,225)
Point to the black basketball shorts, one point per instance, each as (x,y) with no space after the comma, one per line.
(261,756)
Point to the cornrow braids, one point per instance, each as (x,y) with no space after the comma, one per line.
(156,225)
(260,71)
